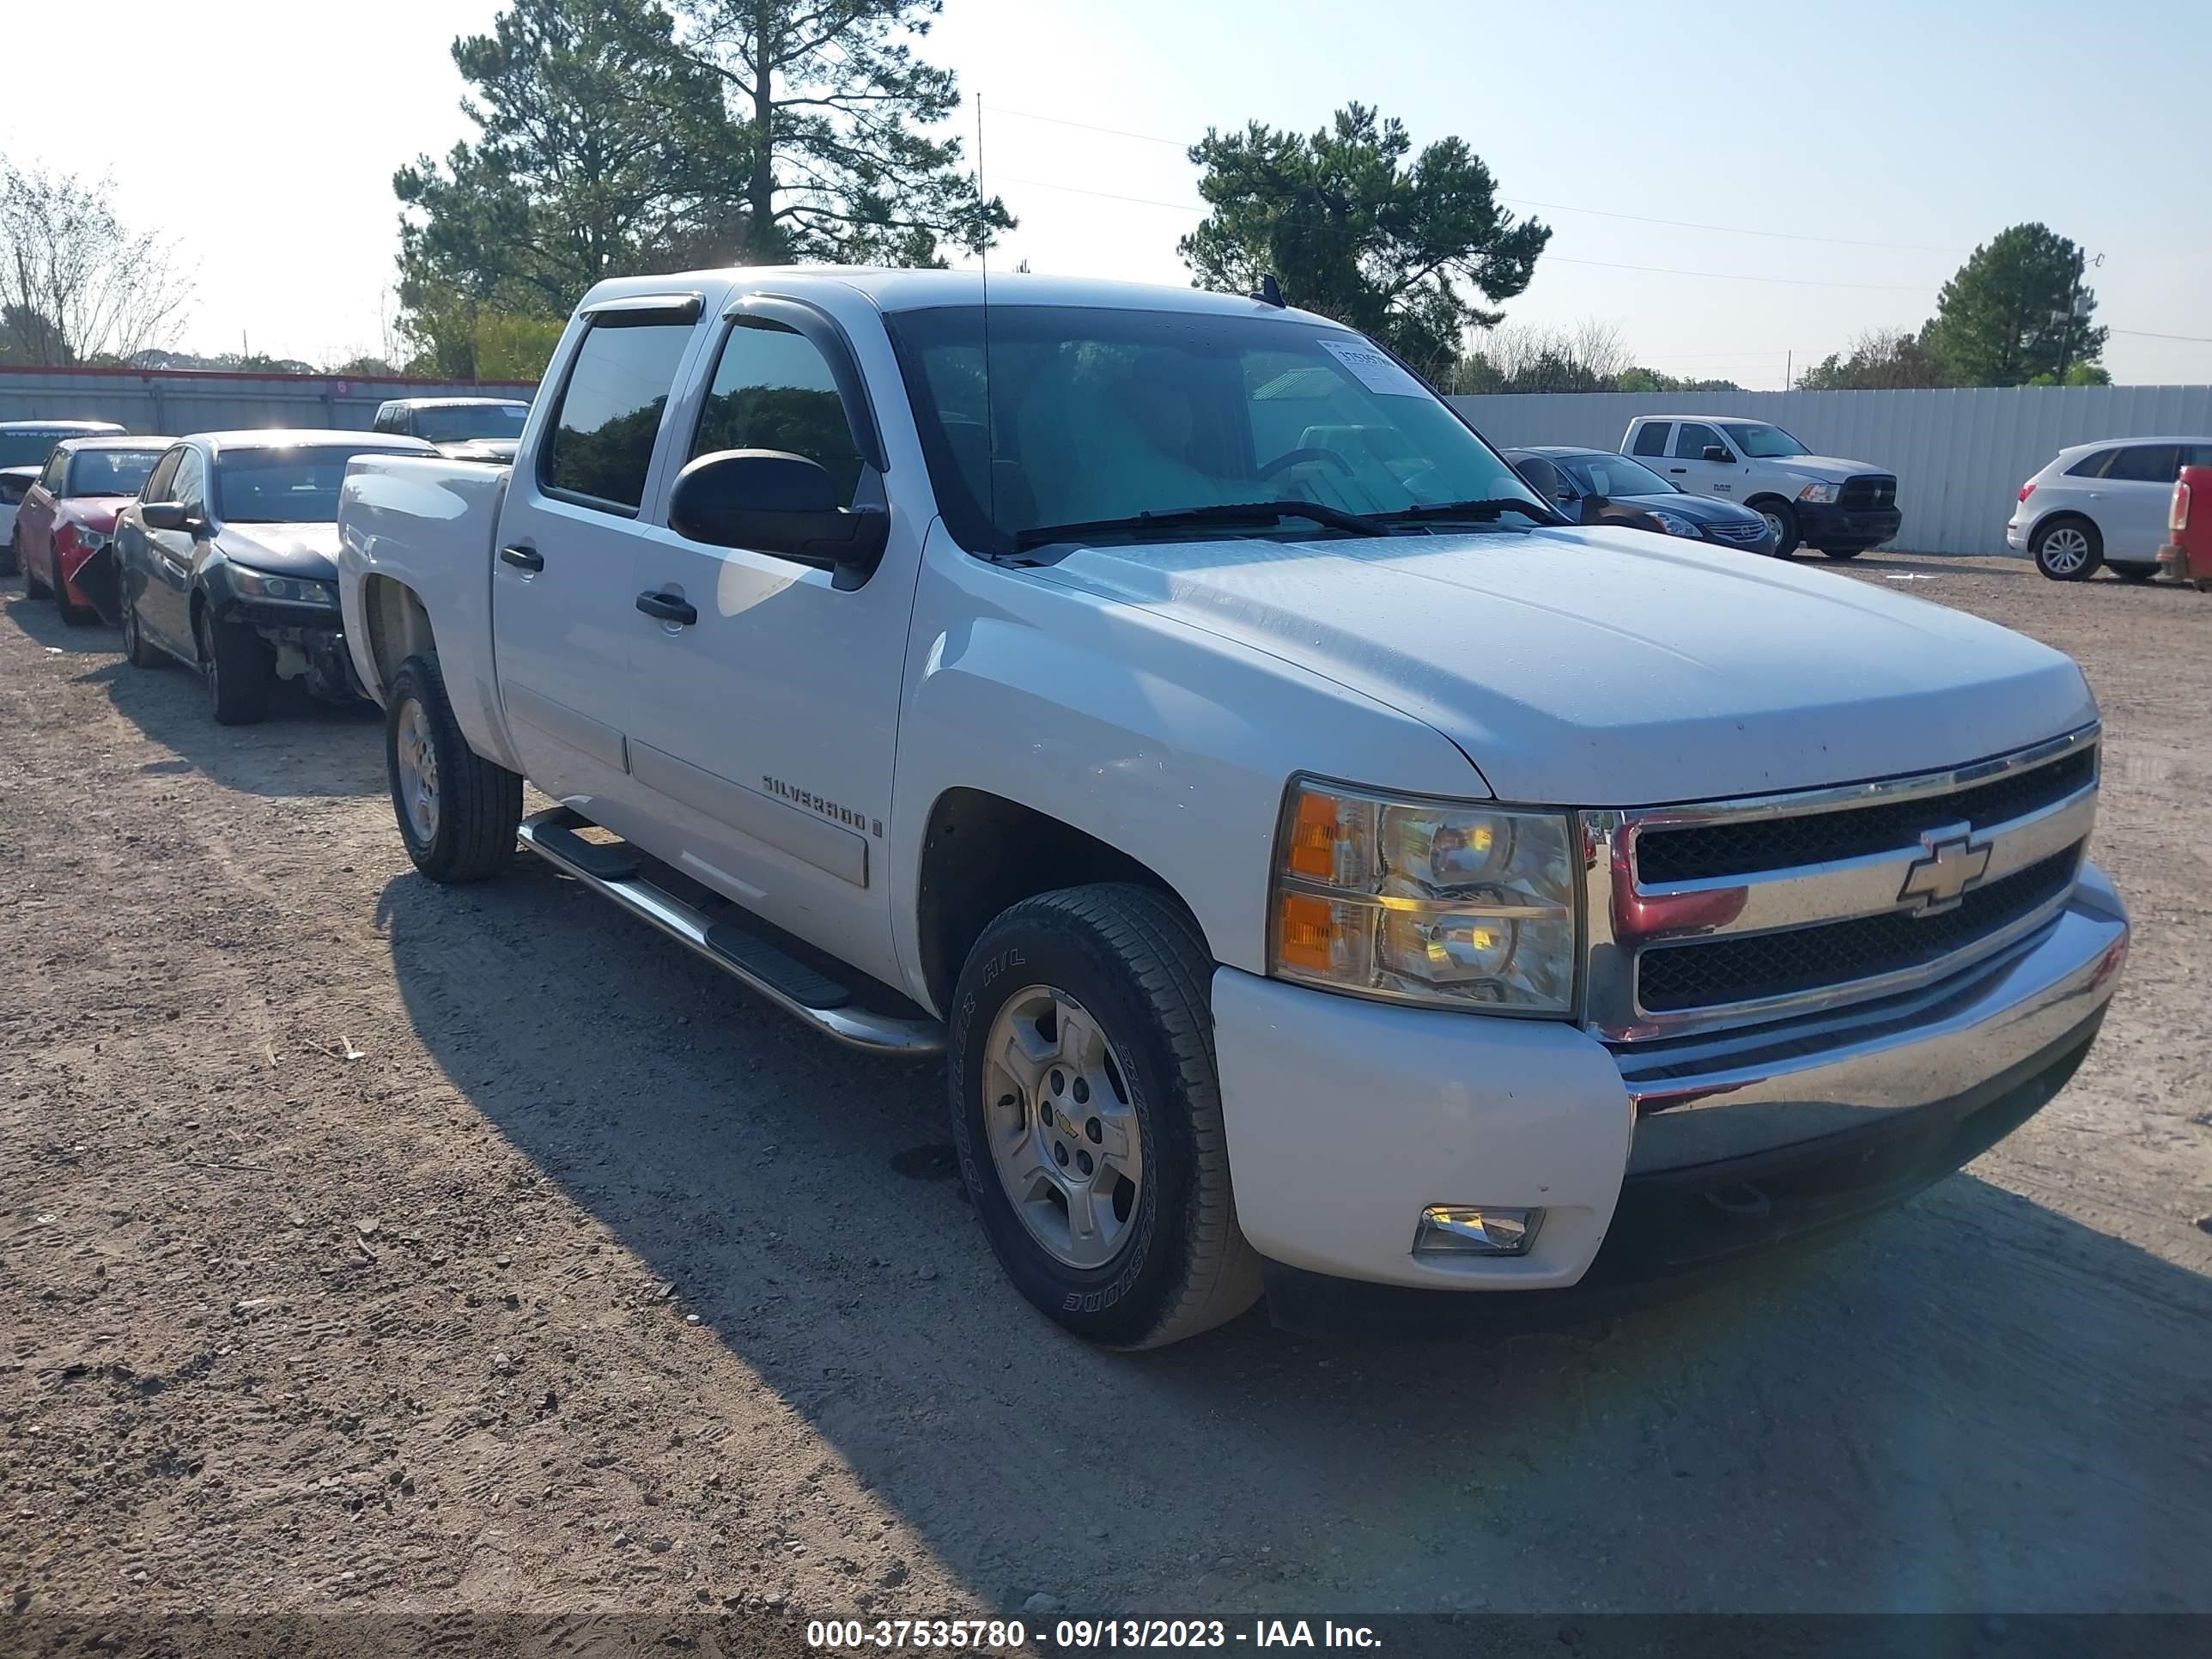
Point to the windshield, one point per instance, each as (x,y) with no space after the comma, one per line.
(28,448)
(1097,415)
(109,471)
(282,486)
(1612,475)
(453,425)
(1764,442)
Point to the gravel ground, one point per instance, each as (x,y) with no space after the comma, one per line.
(373,1245)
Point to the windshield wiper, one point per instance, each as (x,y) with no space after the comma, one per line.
(1335,518)
(1482,509)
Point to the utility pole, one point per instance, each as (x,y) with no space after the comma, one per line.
(1790,370)
(2071,319)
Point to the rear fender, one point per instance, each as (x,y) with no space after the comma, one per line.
(414,542)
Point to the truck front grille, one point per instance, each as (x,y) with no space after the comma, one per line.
(1867,491)
(1705,973)
(1729,914)
(1752,846)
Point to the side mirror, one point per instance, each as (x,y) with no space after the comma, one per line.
(1714,452)
(775,503)
(1594,506)
(165,515)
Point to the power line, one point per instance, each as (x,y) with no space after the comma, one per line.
(2145,334)
(1731,230)
(1558,259)
(1524,201)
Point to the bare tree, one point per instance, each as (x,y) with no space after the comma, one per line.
(76,284)
(1586,357)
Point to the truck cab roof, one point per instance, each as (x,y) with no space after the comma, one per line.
(916,290)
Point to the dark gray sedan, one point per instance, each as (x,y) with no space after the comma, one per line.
(1596,486)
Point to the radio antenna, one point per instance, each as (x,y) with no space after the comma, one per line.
(990,411)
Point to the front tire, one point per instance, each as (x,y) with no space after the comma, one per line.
(1782,520)
(136,651)
(2067,550)
(238,669)
(2132,573)
(1841,553)
(73,614)
(1086,1112)
(456,811)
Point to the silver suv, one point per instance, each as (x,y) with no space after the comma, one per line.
(2102,503)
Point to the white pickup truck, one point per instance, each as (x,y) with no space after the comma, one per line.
(1842,508)
(1326,871)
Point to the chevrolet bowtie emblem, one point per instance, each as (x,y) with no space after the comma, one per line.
(1938,881)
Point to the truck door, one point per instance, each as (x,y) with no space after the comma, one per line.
(1689,468)
(562,588)
(765,694)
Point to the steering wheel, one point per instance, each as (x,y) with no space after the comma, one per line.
(1291,457)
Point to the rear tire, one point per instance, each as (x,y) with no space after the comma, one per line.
(1782,520)
(1162,1257)
(238,668)
(456,811)
(2067,550)
(2132,573)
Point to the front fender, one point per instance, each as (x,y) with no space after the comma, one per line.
(1170,744)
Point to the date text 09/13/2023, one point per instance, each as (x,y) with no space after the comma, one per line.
(1012,1635)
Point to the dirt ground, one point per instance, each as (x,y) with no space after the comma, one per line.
(370,1244)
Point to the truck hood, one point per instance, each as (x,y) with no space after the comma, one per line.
(1602,667)
(1826,468)
(290,550)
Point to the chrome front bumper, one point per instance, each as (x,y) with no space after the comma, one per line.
(1704,1100)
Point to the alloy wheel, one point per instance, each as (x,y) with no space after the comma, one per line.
(1064,1135)
(2065,551)
(417,759)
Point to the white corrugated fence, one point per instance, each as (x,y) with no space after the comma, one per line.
(176,402)
(1960,456)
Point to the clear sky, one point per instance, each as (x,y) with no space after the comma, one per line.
(264,134)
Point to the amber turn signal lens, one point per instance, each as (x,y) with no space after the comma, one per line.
(1307,930)
(1313,837)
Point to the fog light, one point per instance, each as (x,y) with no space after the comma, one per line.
(1466,1230)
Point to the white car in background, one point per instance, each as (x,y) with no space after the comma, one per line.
(2102,503)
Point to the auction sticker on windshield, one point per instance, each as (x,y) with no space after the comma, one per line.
(1373,370)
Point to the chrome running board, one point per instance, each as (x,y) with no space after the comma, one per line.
(756,962)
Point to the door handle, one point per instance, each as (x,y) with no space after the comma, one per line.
(1678,468)
(668,608)
(523,558)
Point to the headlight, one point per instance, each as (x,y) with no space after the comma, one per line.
(1820,493)
(89,541)
(295,590)
(1461,906)
(1674,523)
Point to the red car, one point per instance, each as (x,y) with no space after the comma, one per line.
(2188,556)
(63,525)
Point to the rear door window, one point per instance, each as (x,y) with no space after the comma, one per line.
(600,446)
(1651,438)
(2145,464)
